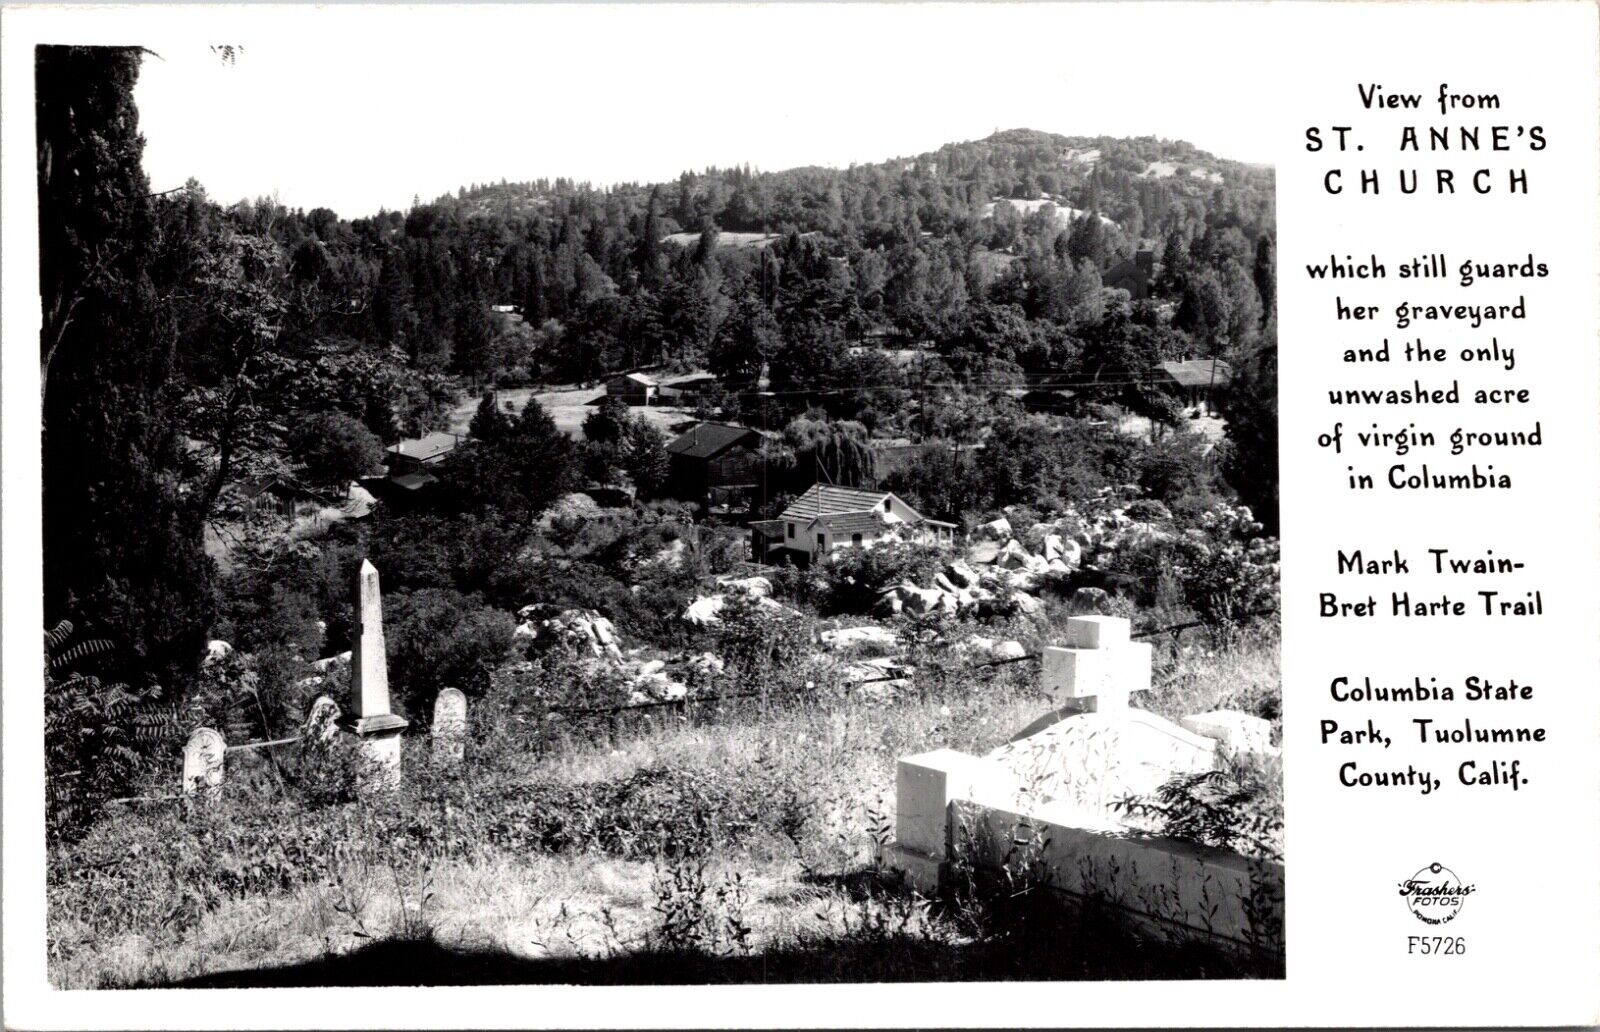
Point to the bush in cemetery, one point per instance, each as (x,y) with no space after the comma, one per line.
(96,734)
(1180,463)
(762,647)
(1229,571)
(1232,810)
(438,638)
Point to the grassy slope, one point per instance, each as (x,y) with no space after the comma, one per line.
(811,906)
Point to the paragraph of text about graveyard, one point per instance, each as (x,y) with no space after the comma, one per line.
(1428,412)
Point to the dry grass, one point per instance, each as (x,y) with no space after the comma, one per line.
(568,407)
(795,896)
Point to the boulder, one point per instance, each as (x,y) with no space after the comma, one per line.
(1008,650)
(705,610)
(994,530)
(870,636)
(1027,605)
(672,555)
(1236,732)
(920,600)
(754,587)
(976,643)
(217,650)
(961,575)
(1071,553)
(1013,556)
(1053,547)
(944,583)
(705,664)
(1090,600)
(603,631)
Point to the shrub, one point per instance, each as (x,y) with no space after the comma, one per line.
(761,646)
(1229,571)
(1228,809)
(438,638)
(96,734)
(853,578)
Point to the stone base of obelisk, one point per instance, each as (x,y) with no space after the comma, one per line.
(380,744)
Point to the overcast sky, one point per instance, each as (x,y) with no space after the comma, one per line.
(357,109)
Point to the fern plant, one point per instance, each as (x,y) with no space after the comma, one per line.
(96,734)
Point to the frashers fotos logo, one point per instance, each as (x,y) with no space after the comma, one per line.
(1435,894)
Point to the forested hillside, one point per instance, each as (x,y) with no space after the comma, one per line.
(191,346)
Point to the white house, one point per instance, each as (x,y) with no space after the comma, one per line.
(827,518)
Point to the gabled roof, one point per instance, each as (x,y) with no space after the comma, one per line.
(1198,372)
(638,378)
(275,483)
(424,448)
(853,523)
(708,440)
(827,500)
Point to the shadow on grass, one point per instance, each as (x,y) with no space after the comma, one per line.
(1084,944)
(394,962)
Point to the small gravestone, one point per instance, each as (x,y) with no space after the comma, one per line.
(204,760)
(450,725)
(323,718)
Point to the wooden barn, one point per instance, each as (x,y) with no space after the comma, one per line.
(716,465)
(633,388)
(1195,380)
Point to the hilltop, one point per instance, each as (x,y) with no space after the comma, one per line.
(1123,179)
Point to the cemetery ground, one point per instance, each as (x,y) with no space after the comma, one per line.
(741,840)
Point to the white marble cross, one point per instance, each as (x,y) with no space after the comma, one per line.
(1099,668)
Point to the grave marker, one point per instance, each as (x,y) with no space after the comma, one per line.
(323,718)
(1063,777)
(372,722)
(204,761)
(450,725)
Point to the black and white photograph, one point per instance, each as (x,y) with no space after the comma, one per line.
(568,505)
(794,515)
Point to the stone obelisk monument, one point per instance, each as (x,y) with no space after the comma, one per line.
(370,719)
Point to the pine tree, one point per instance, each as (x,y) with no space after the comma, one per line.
(490,422)
(1266,276)
(648,253)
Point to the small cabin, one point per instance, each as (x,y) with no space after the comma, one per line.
(420,454)
(633,388)
(1195,381)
